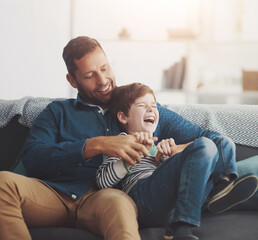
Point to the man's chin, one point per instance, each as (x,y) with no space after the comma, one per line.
(104,102)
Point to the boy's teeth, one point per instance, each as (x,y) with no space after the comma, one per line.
(149,119)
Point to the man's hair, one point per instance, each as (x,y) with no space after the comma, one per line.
(76,49)
(123,97)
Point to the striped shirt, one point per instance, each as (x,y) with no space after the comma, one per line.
(112,172)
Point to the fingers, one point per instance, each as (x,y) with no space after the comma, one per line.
(145,138)
(127,147)
(140,148)
(132,151)
(171,142)
(131,159)
(157,158)
(165,147)
(133,155)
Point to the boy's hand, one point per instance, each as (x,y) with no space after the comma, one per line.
(165,147)
(168,147)
(145,138)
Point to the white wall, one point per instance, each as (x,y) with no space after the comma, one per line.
(33,34)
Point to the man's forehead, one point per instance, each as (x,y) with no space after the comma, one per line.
(91,60)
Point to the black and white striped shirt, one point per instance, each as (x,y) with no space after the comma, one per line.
(112,173)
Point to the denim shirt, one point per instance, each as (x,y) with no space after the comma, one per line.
(53,151)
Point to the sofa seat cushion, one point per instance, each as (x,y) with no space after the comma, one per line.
(232,225)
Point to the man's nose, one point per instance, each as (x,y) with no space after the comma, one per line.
(101,79)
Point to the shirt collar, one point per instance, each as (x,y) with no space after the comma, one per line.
(79,100)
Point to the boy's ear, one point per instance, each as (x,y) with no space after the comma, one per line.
(121,117)
(71,80)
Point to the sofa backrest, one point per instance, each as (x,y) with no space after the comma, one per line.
(238,122)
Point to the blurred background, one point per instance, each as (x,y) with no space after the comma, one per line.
(188,51)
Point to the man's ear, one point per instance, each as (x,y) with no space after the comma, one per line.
(71,80)
(121,117)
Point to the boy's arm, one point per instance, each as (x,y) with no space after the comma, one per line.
(110,173)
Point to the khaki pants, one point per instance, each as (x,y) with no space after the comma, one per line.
(28,202)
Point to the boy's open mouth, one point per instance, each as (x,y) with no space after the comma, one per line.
(149,120)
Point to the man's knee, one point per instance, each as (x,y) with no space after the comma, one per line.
(115,198)
(110,201)
(7,178)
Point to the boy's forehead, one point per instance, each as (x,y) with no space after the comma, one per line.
(147,96)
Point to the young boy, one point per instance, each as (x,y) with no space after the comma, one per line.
(172,193)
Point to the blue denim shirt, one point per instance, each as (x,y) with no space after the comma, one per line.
(53,151)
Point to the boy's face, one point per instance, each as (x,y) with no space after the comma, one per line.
(143,115)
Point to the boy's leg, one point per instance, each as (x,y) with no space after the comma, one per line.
(27,202)
(110,213)
(177,184)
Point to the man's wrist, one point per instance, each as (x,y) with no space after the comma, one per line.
(93,147)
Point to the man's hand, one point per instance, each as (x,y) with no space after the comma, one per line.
(124,146)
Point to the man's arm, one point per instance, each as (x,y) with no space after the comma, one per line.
(172,125)
(46,153)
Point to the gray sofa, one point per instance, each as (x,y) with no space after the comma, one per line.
(238,122)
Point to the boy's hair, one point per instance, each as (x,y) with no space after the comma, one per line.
(123,97)
(76,49)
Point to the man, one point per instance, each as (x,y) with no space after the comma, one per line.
(62,153)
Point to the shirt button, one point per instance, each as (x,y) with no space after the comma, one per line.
(73,196)
(99,111)
(79,164)
(107,130)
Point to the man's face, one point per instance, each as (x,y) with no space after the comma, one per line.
(143,115)
(94,78)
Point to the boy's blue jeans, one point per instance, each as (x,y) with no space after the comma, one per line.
(178,188)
